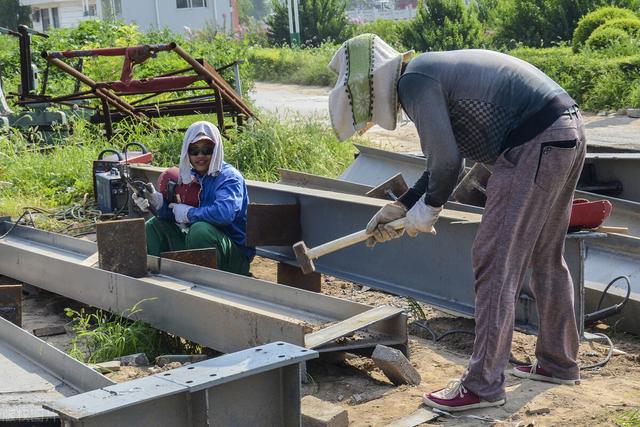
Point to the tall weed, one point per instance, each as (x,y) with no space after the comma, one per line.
(101,336)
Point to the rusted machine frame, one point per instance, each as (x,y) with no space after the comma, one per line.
(219,98)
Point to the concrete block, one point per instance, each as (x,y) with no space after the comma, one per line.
(11,301)
(318,413)
(138,359)
(395,365)
(165,359)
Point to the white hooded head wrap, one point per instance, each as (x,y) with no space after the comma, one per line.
(196,132)
(365,93)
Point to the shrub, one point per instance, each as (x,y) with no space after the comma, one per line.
(294,65)
(388,30)
(602,38)
(320,21)
(610,91)
(633,99)
(443,25)
(629,25)
(595,79)
(589,22)
(544,22)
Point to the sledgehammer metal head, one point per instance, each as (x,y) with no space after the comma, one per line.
(306,263)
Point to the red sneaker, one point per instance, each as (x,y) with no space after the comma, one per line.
(455,397)
(535,372)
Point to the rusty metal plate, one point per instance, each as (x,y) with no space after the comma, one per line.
(273,225)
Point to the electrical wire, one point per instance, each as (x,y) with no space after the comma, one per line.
(606,289)
(606,359)
(15,224)
(435,337)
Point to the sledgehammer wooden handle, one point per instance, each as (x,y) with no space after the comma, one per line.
(348,240)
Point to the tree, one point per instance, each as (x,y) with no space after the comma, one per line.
(12,14)
(320,20)
(443,25)
(544,22)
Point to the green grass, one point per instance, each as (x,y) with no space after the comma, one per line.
(102,336)
(306,66)
(62,175)
(629,418)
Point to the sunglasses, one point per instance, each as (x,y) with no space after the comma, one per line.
(205,151)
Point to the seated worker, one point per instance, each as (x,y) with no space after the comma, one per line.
(220,220)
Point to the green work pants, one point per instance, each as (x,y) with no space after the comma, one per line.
(163,236)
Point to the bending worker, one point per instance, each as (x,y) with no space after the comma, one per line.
(220,219)
(491,108)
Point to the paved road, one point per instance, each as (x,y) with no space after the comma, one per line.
(311,101)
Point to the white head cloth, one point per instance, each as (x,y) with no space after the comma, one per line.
(196,132)
(365,93)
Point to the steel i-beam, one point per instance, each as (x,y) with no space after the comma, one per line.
(34,372)
(221,310)
(255,387)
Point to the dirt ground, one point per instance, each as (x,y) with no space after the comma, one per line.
(371,400)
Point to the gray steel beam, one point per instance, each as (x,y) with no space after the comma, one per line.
(605,260)
(432,269)
(258,386)
(373,166)
(34,372)
(220,310)
(623,167)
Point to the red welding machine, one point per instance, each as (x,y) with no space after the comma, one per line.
(181,193)
(587,215)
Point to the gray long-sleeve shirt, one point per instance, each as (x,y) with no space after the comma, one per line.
(472,104)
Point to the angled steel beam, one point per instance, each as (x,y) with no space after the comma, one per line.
(258,386)
(433,269)
(34,372)
(220,310)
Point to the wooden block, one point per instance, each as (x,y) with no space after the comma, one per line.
(273,225)
(395,185)
(11,303)
(294,277)
(48,331)
(122,246)
(609,229)
(202,257)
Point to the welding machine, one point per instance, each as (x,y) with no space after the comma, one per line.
(109,176)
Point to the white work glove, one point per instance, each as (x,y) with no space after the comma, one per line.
(421,218)
(378,228)
(151,197)
(180,212)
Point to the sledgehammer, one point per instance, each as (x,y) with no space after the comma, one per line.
(305,256)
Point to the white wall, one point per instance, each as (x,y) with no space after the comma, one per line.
(70,12)
(150,14)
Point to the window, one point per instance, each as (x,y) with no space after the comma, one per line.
(188,4)
(44,17)
(56,19)
(90,10)
(35,16)
(111,9)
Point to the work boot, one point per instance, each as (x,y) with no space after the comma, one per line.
(455,397)
(535,372)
